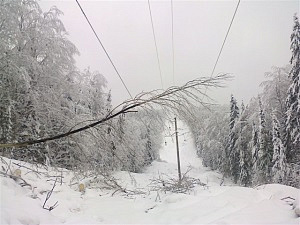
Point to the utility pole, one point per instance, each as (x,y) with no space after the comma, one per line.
(177,146)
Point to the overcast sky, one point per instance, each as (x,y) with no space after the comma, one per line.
(259,39)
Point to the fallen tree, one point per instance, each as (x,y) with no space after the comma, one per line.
(174,98)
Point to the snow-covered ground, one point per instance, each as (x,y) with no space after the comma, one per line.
(210,204)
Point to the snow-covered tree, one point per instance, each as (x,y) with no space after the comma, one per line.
(292,102)
(233,152)
(254,144)
(275,92)
(243,147)
(279,169)
(36,67)
(43,94)
(242,108)
(141,140)
(265,151)
(210,129)
(234,113)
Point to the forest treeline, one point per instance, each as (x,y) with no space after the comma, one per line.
(258,143)
(43,93)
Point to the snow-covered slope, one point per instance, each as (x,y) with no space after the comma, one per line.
(210,204)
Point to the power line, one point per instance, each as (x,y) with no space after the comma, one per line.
(161,81)
(225,38)
(106,53)
(173,41)
(103,48)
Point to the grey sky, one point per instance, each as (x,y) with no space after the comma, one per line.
(258,40)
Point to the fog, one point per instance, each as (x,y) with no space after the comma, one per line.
(259,39)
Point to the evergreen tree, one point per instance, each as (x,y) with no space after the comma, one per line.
(293,99)
(255,146)
(242,143)
(233,136)
(234,113)
(279,168)
(265,153)
(242,108)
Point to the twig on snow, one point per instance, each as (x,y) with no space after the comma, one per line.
(48,197)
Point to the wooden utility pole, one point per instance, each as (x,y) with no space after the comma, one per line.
(177,146)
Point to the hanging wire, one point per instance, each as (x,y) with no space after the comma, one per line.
(154,37)
(100,42)
(225,39)
(173,41)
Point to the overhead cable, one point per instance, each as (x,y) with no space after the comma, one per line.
(225,39)
(173,41)
(159,67)
(103,48)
